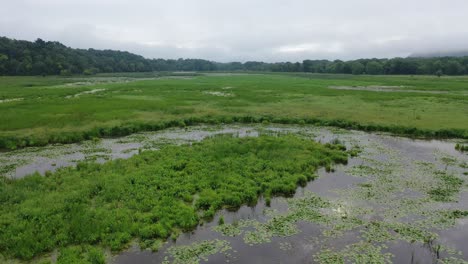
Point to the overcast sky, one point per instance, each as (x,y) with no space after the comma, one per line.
(241,30)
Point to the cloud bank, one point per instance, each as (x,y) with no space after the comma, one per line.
(242,30)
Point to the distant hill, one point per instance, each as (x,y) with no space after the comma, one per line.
(20,57)
(459,53)
(42,57)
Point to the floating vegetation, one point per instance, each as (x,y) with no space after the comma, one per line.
(447,189)
(228,230)
(394,203)
(448,160)
(360,252)
(304,209)
(394,198)
(286,246)
(195,252)
(461,147)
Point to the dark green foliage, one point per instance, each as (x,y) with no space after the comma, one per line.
(357,68)
(354,151)
(147,196)
(461,147)
(19,57)
(457,214)
(374,68)
(336,144)
(81,255)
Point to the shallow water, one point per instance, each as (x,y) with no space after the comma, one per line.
(404,170)
(20,163)
(302,247)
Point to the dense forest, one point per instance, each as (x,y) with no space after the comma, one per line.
(18,57)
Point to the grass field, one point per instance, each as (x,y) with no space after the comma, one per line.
(41,110)
(87,213)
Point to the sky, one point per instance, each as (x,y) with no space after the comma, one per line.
(243,30)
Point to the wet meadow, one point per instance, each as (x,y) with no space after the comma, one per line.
(233,167)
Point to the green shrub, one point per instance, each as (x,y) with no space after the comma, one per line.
(221,220)
(153,195)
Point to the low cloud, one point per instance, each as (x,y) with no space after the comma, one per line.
(242,30)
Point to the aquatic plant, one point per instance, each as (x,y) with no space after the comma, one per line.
(201,250)
(449,185)
(397,201)
(152,196)
(221,220)
(461,147)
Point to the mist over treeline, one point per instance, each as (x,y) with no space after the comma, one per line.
(19,57)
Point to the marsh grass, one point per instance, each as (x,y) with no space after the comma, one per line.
(152,196)
(461,147)
(45,116)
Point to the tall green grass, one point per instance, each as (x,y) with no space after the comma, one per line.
(150,196)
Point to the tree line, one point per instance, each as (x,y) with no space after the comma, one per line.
(19,57)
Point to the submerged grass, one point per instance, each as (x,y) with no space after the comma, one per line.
(448,187)
(108,205)
(193,253)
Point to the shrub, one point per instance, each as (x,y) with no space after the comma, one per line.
(149,196)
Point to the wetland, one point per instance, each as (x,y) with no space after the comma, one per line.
(384,199)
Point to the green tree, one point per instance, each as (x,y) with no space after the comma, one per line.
(453,67)
(307,65)
(18,57)
(3,63)
(374,67)
(357,68)
(436,67)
